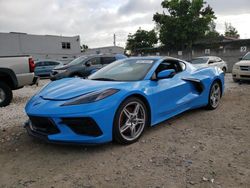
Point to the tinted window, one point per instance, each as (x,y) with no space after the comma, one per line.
(94,61)
(171,64)
(46,63)
(107,60)
(39,64)
(52,63)
(218,59)
(78,60)
(246,57)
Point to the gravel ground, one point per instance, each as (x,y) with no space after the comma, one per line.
(198,148)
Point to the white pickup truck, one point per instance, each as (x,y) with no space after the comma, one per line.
(15,72)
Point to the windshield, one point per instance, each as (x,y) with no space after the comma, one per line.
(77,60)
(246,57)
(124,70)
(199,61)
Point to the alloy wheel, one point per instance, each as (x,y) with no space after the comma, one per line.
(215,95)
(132,121)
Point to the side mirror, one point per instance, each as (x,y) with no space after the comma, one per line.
(87,64)
(166,74)
(240,58)
(210,62)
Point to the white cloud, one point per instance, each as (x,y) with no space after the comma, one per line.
(240,22)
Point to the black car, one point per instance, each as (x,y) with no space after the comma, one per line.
(83,66)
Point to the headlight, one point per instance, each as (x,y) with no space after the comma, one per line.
(236,67)
(61,71)
(91,97)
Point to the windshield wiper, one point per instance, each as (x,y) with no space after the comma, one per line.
(104,79)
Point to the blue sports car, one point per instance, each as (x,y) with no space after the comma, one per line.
(120,100)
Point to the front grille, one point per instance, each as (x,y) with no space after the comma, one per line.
(245,76)
(245,68)
(43,125)
(83,126)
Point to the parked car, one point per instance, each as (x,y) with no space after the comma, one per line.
(15,72)
(210,61)
(241,70)
(120,100)
(84,66)
(45,67)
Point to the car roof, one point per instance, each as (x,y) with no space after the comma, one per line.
(206,57)
(154,57)
(47,60)
(101,55)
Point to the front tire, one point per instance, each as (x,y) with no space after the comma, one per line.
(130,121)
(5,94)
(224,70)
(235,80)
(214,96)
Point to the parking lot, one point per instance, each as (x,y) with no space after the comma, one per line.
(198,148)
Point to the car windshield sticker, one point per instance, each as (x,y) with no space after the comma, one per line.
(145,61)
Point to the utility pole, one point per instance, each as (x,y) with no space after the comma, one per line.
(114,39)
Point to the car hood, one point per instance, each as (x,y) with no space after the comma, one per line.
(61,67)
(69,88)
(200,65)
(244,63)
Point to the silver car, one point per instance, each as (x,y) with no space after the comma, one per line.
(209,61)
(241,70)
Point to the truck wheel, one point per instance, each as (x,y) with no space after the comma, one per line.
(5,94)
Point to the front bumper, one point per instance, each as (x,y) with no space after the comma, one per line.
(70,121)
(45,136)
(58,74)
(240,74)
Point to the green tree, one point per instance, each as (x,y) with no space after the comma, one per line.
(231,31)
(211,35)
(84,47)
(186,22)
(141,39)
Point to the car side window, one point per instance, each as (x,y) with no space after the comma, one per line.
(46,63)
(107,60)
(39,64)
(52,63)
(211,61)
(94,61)
(218,59)
(178,66)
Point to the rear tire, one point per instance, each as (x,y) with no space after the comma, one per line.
(5,94)
(130,120)
(214,96)
(235,80)
(224,70)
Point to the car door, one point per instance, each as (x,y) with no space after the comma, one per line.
(173,95)
(39,68)
(92,65)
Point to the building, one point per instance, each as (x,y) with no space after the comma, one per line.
(40,46)
(105,50)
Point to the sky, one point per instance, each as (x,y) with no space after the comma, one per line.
(97,20)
